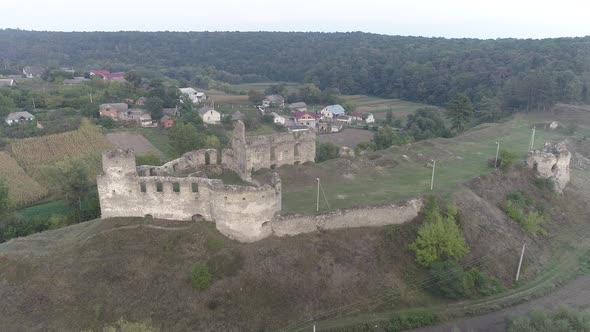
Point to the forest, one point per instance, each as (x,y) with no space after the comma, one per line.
(519,74)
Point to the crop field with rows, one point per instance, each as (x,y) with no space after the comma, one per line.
(22,188)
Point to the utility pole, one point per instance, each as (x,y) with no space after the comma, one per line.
(313,327)
(91,99)
(497,151)
(432,178)
(34,104)
(317,208)
(532,139)
(520,262)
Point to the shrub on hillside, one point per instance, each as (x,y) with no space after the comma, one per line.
(450,280)
(411,320)
(507,159)
(564,319)
(439,238)
(200,277)
(149,158)
(326,151)
(523,210)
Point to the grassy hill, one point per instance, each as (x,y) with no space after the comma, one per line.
(94,273)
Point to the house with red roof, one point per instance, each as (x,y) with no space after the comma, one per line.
(107,75)
(306,119)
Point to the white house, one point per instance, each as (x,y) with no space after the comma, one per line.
(277,119)
(332,111)
(369,118)
(210,115)
(306,119)
(17,117)
(195,96)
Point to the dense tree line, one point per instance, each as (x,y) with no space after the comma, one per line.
(523,74)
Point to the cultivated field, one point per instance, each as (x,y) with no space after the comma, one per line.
(135,141)
(349,137)
(36,153)
(380,106)
(22,188)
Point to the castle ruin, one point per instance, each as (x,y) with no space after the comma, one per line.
(173,191)
(553,162)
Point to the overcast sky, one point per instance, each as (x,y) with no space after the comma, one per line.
(442,18)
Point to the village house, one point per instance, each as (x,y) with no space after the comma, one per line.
(166,121)
(299,106)
(210,115)
(16,117)
(107,75)
(195,96)
(7,82)
(277,119)
(33,71)
(306,119)
(112,110)
(332,111)
(343,119)
(273,101)
(145,120)
(362,116)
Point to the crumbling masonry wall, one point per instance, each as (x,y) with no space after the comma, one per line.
(243,213)
(553,162)
(248,154)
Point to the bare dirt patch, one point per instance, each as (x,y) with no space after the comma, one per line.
(137,142)
(349,137)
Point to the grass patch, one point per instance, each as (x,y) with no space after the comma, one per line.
(58,207)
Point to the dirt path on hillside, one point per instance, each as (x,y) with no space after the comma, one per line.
(576,294)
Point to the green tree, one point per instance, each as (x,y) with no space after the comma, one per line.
(507,159)
(459,111)
(426,123)
(310,93)
(154,105)
(72,181)
(385,137)
(489,110)
(439,239)
(133,77)
(6,105)
(326,151)
(277,89)
(255,96)
(184,137)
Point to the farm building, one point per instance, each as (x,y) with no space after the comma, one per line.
(299,106)
(33,71)
(332,111)
(112,110)
(273,101)
(277,119)
(17,117)
(107,75)
(195,96)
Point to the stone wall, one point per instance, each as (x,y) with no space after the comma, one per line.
(189,162)
(248,154)
(243,213)
(553,162)
(349,218)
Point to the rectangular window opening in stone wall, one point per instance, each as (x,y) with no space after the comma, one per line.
(142,187)
(159,187)
(152,172)
(207,158)
(195,187)
(176,187)
(141,173)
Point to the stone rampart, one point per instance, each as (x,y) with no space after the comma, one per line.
(243,213)
(348,218)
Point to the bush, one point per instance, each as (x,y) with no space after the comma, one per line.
(451,281)
(507,159)
(326,151)
(200,277)
(565,319)
(522,209)
(439,238)
(411,320)
(149,158)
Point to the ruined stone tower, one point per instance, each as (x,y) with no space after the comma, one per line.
(553,162)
